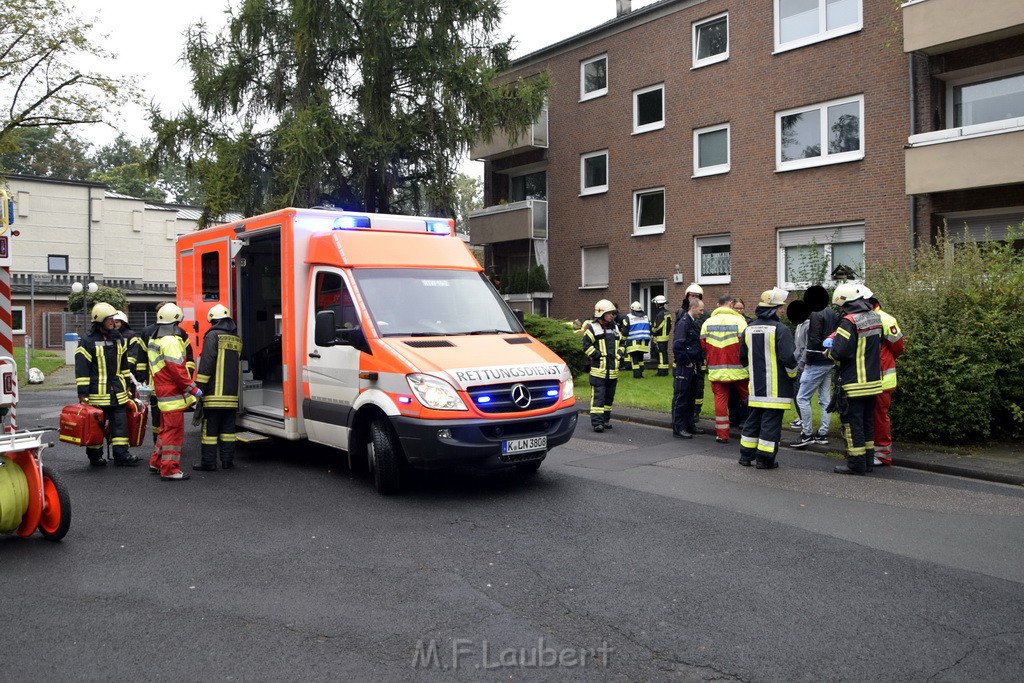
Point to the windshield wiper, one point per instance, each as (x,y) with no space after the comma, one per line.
(489,332)
(424,334)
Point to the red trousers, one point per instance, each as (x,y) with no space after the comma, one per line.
(169,440)
(721,391)
(883,435)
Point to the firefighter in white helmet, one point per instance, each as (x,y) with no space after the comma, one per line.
(219,377)
(638,341)
(661,333)
(601,343)
(101,374)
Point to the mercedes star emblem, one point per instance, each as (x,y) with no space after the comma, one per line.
(521,396)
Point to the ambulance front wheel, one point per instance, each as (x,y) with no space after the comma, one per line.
(56,517)
(384,457)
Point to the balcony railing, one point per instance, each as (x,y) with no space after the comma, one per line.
(506,222)
(534,137)
(937,26)
(983,155)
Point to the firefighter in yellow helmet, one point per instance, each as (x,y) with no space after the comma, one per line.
(219,377)
(661,333)
(101,375)
(602,340)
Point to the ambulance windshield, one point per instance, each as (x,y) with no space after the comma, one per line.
(406,302)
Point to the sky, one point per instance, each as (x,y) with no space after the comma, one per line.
(148,36)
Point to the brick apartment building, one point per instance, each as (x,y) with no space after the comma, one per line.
(740,145)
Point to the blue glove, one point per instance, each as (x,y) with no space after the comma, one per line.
(199,393)
(829,341)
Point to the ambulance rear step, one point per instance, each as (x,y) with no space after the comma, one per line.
(250,437)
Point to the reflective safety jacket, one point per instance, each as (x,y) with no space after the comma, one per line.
(219,373)
(139,353)
(601,346)
(639,339)
(172,385)
(661,329)
(892,347)
(102,368)
(720,337)
(769,353)
(858,351)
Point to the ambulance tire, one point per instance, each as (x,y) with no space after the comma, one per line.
(56,518)
(384,458)
(528,469)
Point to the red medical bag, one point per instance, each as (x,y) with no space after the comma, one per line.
(138,414)
(82,425)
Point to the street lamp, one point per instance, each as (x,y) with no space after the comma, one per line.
(85,291)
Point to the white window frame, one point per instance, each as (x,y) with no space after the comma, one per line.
(648,229)
(714,59)
(822,34)
(698,247)
(987,72)
(14,328)
(716,169)
(596,189)
(823,235)
(656,125)
(600,92)
(979,219)
(583,267)
(823,159)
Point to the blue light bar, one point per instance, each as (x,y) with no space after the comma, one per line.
(552,392)
(405,399)
(483,399)
(439,227)
(350,222)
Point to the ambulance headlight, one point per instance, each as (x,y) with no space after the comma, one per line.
(568,388)
(435,393)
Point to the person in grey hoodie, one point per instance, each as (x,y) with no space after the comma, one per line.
(817,369)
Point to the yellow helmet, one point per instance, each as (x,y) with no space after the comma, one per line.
(217,312)
(636,306)
(102,311)
(603,306)
(169,313)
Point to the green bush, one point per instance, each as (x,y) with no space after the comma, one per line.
(558,336)
(525,280)
(961,314)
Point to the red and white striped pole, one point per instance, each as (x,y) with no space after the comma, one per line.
(6,320)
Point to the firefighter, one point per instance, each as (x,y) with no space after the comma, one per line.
(769,353)
(140,354)
(601,343)
(101,375)
(622,322)
(174,390)
(856,347)
(892,348)
(219,377)
(638,341)
(720,338)
(661,333)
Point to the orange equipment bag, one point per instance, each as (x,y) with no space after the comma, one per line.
(82,425)
(138,414)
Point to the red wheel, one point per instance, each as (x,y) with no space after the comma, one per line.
(56,517)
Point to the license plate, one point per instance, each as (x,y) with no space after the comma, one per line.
(536,443)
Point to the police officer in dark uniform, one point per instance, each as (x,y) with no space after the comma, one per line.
(689,357)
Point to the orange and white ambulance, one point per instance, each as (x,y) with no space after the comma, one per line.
(378,335)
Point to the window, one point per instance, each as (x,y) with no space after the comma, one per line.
(649,211)
(818,255)
(594,172)
(711,150)
(210,266)
(333,295)
(802,22)
(528,186)
(56,263)
(711,40)
(995,99)
(713,260)
(595,267)
(980,226)
(649,108)
(18,319)
(594,78)
(828,133)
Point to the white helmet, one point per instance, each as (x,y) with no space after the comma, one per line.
(850,291)
(695,289)
(603,306)
(217,312)
(119,315)
(660,299)
(636,306)
(169,313)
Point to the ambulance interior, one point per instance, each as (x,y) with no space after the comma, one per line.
(259,323)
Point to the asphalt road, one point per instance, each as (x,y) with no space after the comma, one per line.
(643,556)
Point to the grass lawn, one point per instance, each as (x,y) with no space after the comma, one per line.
(655,393)
(47,361)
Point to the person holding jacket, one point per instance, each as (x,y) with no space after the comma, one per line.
(601,344)
(101,375)
(689,357)
(892,348)
(219,377)
(817,370)
(638,340)
(768,351)
(661,333)
(174,390)
(720,339)
(856,347)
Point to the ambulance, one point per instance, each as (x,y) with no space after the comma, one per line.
(380,336)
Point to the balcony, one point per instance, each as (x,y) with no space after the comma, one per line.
(534,137)
(983,155)
(937,26)
(507,222)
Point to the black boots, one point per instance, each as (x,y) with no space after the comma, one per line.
(855,464)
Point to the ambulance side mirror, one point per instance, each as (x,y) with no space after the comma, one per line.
(327,333)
